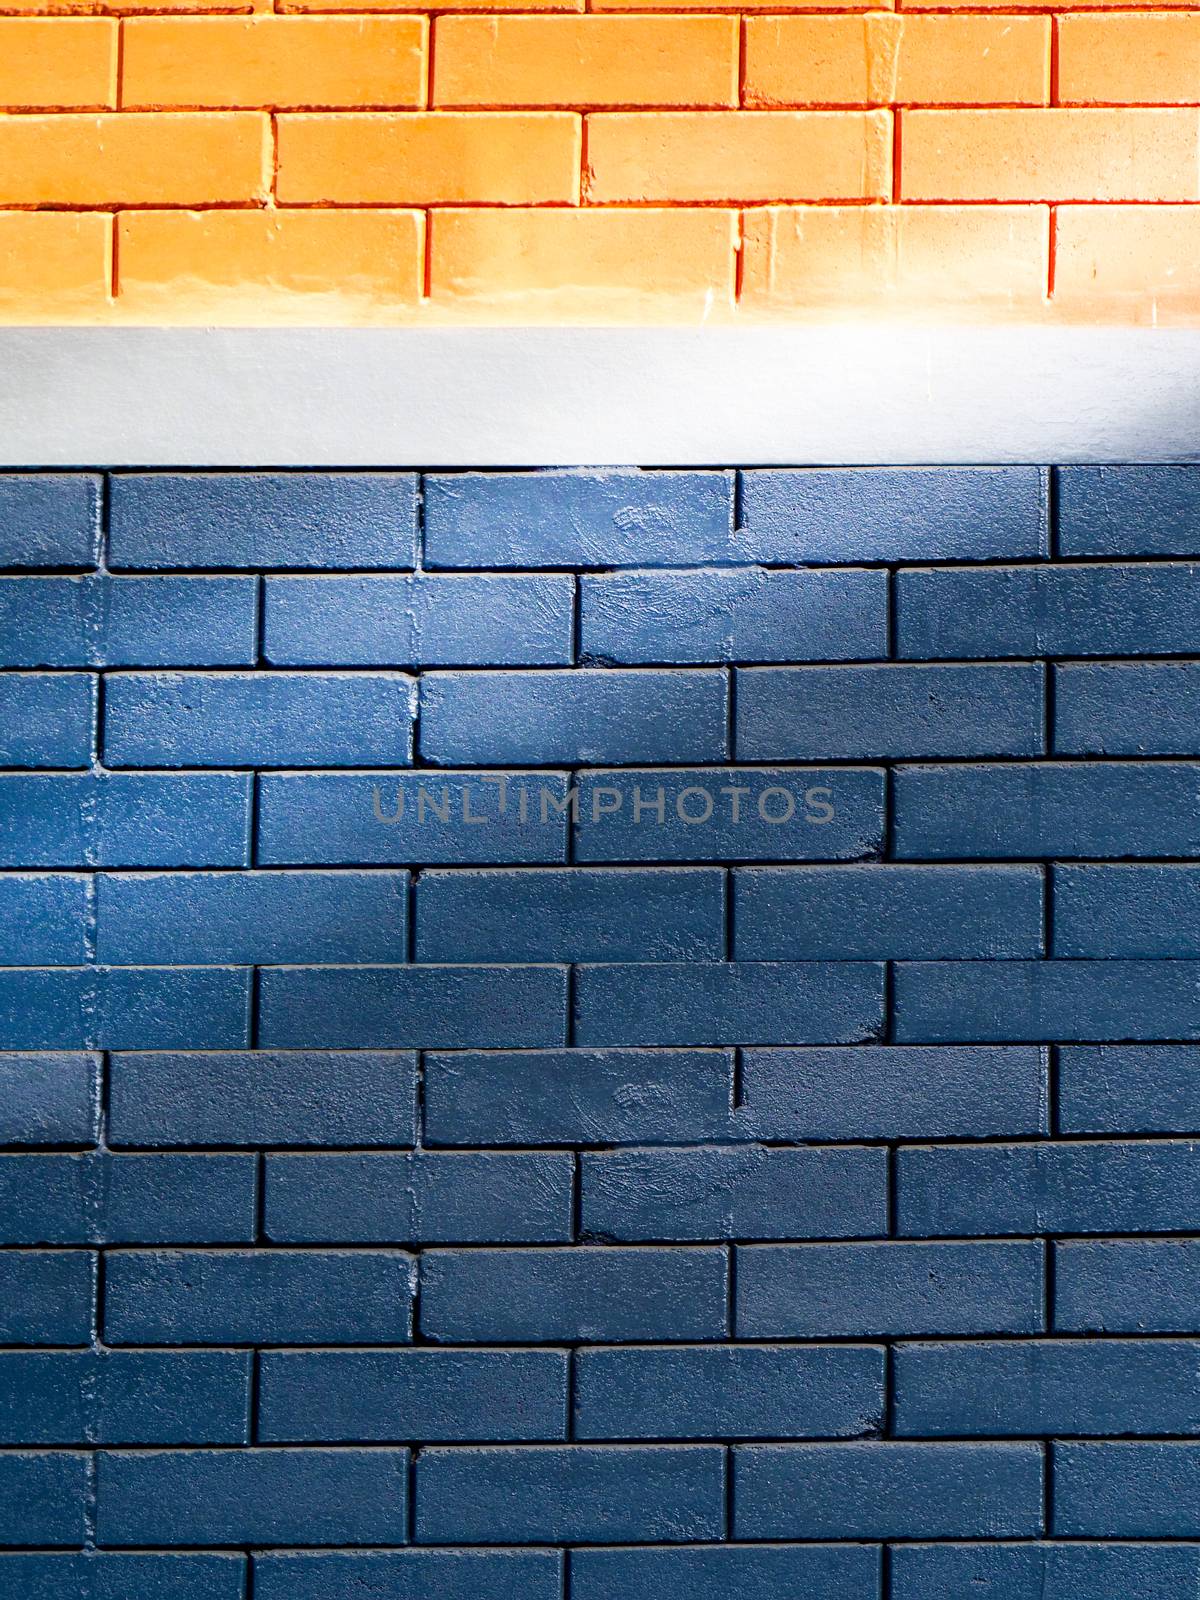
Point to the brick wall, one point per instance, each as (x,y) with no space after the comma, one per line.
(778,1178)
(341,163)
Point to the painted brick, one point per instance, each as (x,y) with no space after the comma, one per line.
(49,1099)
(285,719)
(450,621)
(335,818)
(1150,708)
(1129,1089)
(125,1397)
(861,713)
(124,1008)
(107,1575)
(820,1572)
(1069,809)
(252,917)
(894,1091)
(888,1289)
(1126,1490)
(258,1297)
(299,1097)
(873,912)
(443,1395)
(940,1001)
(44,919)
(424,1198)
(548,718)
(48,65)
(1128,60)
(1136,1187)
(875,1490)
(715,1003)
(143,1199)
(263,519)
(125,819)
(1127,511)
(42,1498)
(577,914)
(544,1296)
(49,519)
(1069,1386)
(839,514)
(729,814)
(588,519)
(751,1192)
(1126,911)
(747,614)
(1127,1286)
(1041,1571)
(47,719)
(54,265)
(428,1007)
(538,1097)
(47,1296)
(410,1574)
(259,1497)
(702,1392)
(589,1494)
(1106,255)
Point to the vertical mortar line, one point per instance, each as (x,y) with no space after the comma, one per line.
(1052,253)
(427,254)
(891,621)
(113,255)
(119,67)
(427,77)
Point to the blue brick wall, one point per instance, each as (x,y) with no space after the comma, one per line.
(567,1035)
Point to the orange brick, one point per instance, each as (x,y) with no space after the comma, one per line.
(883,59)
(57,61)
(1144,57)
(857,256)
(429,158)
(586,61)
(1139,255)
(52,264)
(738,5)
(1050,155)
(1039,5)
(274,61)
(424,5)
(80,8)
(738,155)
(610,260)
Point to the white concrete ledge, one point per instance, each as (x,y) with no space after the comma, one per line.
(856,395)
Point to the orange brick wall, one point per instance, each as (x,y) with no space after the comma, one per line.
(363,160)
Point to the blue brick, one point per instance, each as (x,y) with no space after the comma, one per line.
(1129,1089)
(1128,511)
(880,911)
(409,817)
(47,719)
(423,1198)
(579,519)
(100,621)
(540,1097)
(705,1392)
(252,917)
(44,920)
(125,1397)
(125,819)
(1033,1000)
(47,1296)
(266,719)
(302,1097)
(729,814)
(739,1192)
(549,718)
(43,1499)
(1059,809)
(49,1099)
(263,519)
(894,1091)
(578,914)
(410,1575)
(430,1007)
(1126,911)
(545,1296)
(714,1003)
(258,1297)
(124,1008)
(714,1572)
(979,613)
(587,1494)
(883,1490)
(1128,708)
(103,1199)
(1127,1490)
(1151,1186)
(1043,1572)
(252,1497)
(49,519)
(413,1394)
(477,620)
(895,514)
(888,1289)
(755,614)
(888,711)
(107,1575)
(1127,1286)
